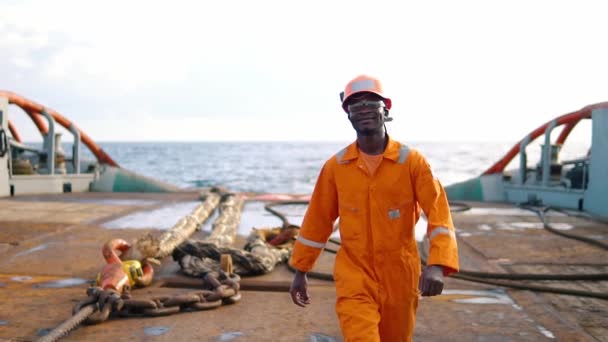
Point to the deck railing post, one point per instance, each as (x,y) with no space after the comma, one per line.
(48,144)
(75,149)
(523,160)
(546,155)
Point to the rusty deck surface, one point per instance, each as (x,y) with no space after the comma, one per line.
(50,252)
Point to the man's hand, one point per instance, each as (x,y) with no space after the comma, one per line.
(299,290)
(431,281)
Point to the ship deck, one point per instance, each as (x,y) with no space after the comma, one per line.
(50,250)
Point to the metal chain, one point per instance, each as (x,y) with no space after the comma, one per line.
(218,288)
(193,301)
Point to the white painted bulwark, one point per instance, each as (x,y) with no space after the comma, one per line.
(105,181)
(51,184)
(4,185)
(596,196)
(493,187)
(550,196)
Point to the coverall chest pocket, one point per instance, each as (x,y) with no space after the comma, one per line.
(351,216)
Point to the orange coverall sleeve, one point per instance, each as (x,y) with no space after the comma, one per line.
(440,230)
(318,221)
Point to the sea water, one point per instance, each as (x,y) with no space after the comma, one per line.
(292,167)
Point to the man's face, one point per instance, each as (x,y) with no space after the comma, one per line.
(366,113)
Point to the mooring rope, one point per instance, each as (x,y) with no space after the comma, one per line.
(264,249)
(149,246)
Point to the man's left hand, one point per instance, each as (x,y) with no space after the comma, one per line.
(431,280)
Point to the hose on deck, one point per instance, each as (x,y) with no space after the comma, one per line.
(489,277)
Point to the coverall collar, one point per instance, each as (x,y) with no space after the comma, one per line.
(390,152)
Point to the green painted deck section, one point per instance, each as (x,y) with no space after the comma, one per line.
(469,190)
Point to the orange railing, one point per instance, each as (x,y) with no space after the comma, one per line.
(34,111)
(569,120)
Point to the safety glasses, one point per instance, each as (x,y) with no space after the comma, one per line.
(364,106)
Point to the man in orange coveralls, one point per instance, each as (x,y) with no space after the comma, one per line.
(377,186)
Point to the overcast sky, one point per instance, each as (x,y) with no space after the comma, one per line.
(272,70)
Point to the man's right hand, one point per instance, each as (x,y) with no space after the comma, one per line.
(299,290)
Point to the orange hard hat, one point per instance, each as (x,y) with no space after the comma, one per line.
(364,83)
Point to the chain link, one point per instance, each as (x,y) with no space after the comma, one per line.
(218,288)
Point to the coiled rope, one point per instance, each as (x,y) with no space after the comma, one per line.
(265,248)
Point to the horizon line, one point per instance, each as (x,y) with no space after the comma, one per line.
(291,141)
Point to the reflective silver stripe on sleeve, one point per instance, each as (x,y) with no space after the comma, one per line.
(339,156)
(404,151)
(440,230)
(310,243)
